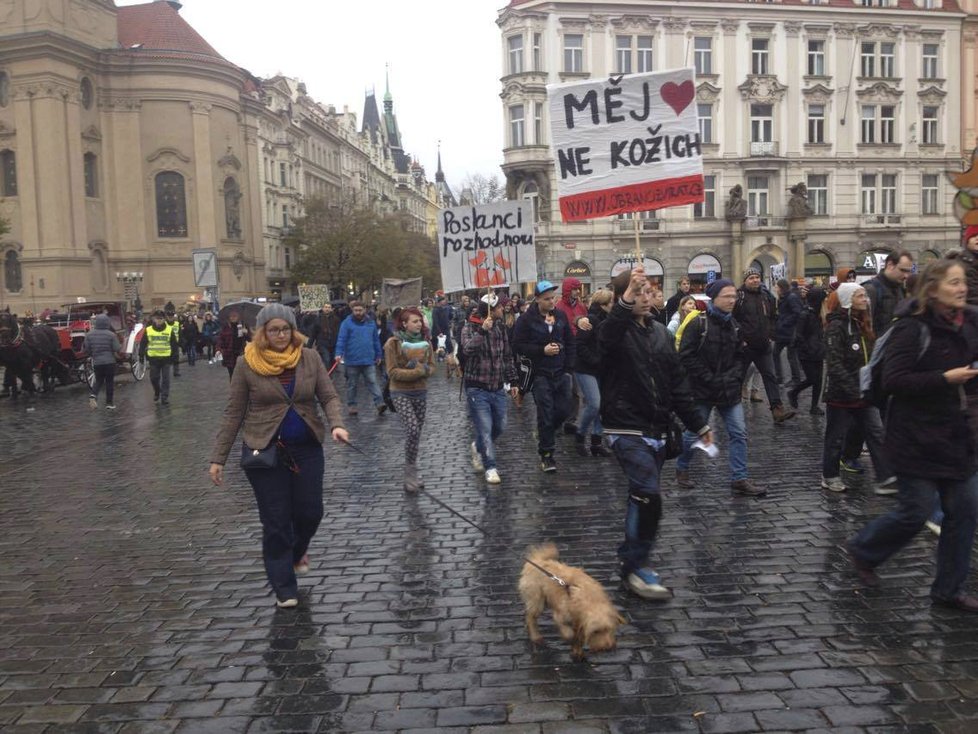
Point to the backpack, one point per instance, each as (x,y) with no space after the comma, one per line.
(871,374)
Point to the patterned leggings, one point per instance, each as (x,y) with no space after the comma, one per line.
(412,410)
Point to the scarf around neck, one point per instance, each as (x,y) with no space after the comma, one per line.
(268,362)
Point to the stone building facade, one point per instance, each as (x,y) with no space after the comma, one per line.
(857,101)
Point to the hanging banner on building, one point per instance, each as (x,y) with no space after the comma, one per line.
(396,292)
(486,246)
(626,144)
(312,297)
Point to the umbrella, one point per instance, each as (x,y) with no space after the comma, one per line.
(248,311)
(290,300)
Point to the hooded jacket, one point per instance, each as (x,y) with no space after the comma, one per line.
(572,311)
(846,351)
(790,307)
(809,335)
(101,343)
(756,312)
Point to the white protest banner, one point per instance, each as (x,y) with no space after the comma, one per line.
(487,245)
(400,292)
(312,296)
(626,144)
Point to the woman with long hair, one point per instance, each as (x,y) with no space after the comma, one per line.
(686,306)
(849,343)
(409,360)
(273,397)
(587,371)
(928,375)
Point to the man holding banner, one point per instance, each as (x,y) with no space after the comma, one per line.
(543,335)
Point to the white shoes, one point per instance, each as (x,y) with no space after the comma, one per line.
(492,476)
(834,484)
(887,486)
(476,458)
(287,603)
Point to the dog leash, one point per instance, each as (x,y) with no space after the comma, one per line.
(553,577)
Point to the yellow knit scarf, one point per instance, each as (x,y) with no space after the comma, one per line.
(269,362)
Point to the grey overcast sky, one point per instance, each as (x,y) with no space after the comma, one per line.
(444,58)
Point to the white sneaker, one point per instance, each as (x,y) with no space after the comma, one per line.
(476,458)
(887,486)
(492,477)
(645,582)
(835,484)
(287,603)
(933,527)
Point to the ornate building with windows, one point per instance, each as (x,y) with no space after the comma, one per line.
(826,128)
(126,141)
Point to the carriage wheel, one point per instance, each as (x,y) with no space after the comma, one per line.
(88,373)
(138,369)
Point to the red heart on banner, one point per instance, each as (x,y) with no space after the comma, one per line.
(678,96)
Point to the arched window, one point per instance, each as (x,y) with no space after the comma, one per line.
(8,173)
(232,208)
(13,278)
(91,175)
(171,205)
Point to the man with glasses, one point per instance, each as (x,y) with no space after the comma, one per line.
(888,288)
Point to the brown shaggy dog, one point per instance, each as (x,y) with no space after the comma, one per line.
(451,366)
(582,611)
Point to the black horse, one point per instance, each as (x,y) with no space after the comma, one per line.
(24,348)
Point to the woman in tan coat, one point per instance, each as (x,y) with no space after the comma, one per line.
(274,391)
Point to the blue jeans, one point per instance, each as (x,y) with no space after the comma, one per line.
(290,506)
(590,417)
(641,465)
(887,534)
(552,395)
(733,421)
(191,354)
(326,354)
(369,374)
(488,413)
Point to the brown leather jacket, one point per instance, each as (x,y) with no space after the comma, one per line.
(260,404)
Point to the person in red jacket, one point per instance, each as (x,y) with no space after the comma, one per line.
(570,303)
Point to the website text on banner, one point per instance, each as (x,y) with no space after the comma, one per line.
(626,144)
(486,246)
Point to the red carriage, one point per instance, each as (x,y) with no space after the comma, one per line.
(75,321)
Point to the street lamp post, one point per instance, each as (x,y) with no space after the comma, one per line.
(130,283)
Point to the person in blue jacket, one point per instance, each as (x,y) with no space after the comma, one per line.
(358,350)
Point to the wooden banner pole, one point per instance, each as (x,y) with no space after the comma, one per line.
(638,242)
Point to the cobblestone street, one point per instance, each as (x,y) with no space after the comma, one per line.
(134,598)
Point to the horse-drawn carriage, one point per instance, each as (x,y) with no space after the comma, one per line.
(54,350)
(76,321)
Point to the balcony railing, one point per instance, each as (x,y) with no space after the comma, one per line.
(768,148)
(764,221)
(646,225)
(881,220)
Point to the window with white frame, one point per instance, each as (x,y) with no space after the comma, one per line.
(877,60)
(704,113)
(887,124)
(574,52)
(888,193)
(537,53)
(887,60)
(816,123)
(515,44)
(868,193)
(761,123)
(703,55)
(707,209)
(867,59)
(878,124)
(759,55)
(816,58)
(929,129)
(623,54)
(538,123)
(929,61)
(757,195)
(818,193)
(928,193)
(643,54)
(516,126)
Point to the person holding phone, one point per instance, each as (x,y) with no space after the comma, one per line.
(928,437)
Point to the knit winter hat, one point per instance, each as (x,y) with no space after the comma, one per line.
(751,271)
(714,288)
(846,291)
(969,232)
(275,311)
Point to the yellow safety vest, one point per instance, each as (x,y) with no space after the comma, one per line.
(159,341)
(175,326)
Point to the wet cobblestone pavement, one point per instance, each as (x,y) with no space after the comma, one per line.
(133,599)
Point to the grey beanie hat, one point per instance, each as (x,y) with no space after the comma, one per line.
(275,311)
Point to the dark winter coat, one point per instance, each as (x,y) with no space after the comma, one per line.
(809,336)
(789,310)
(756,313)
(969,262)
(441,321)
(231,343)
(642,380)
(101,343)
(846,351)
(588,349)
(713,356)
(532,334)
(884,296)
(927,433)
